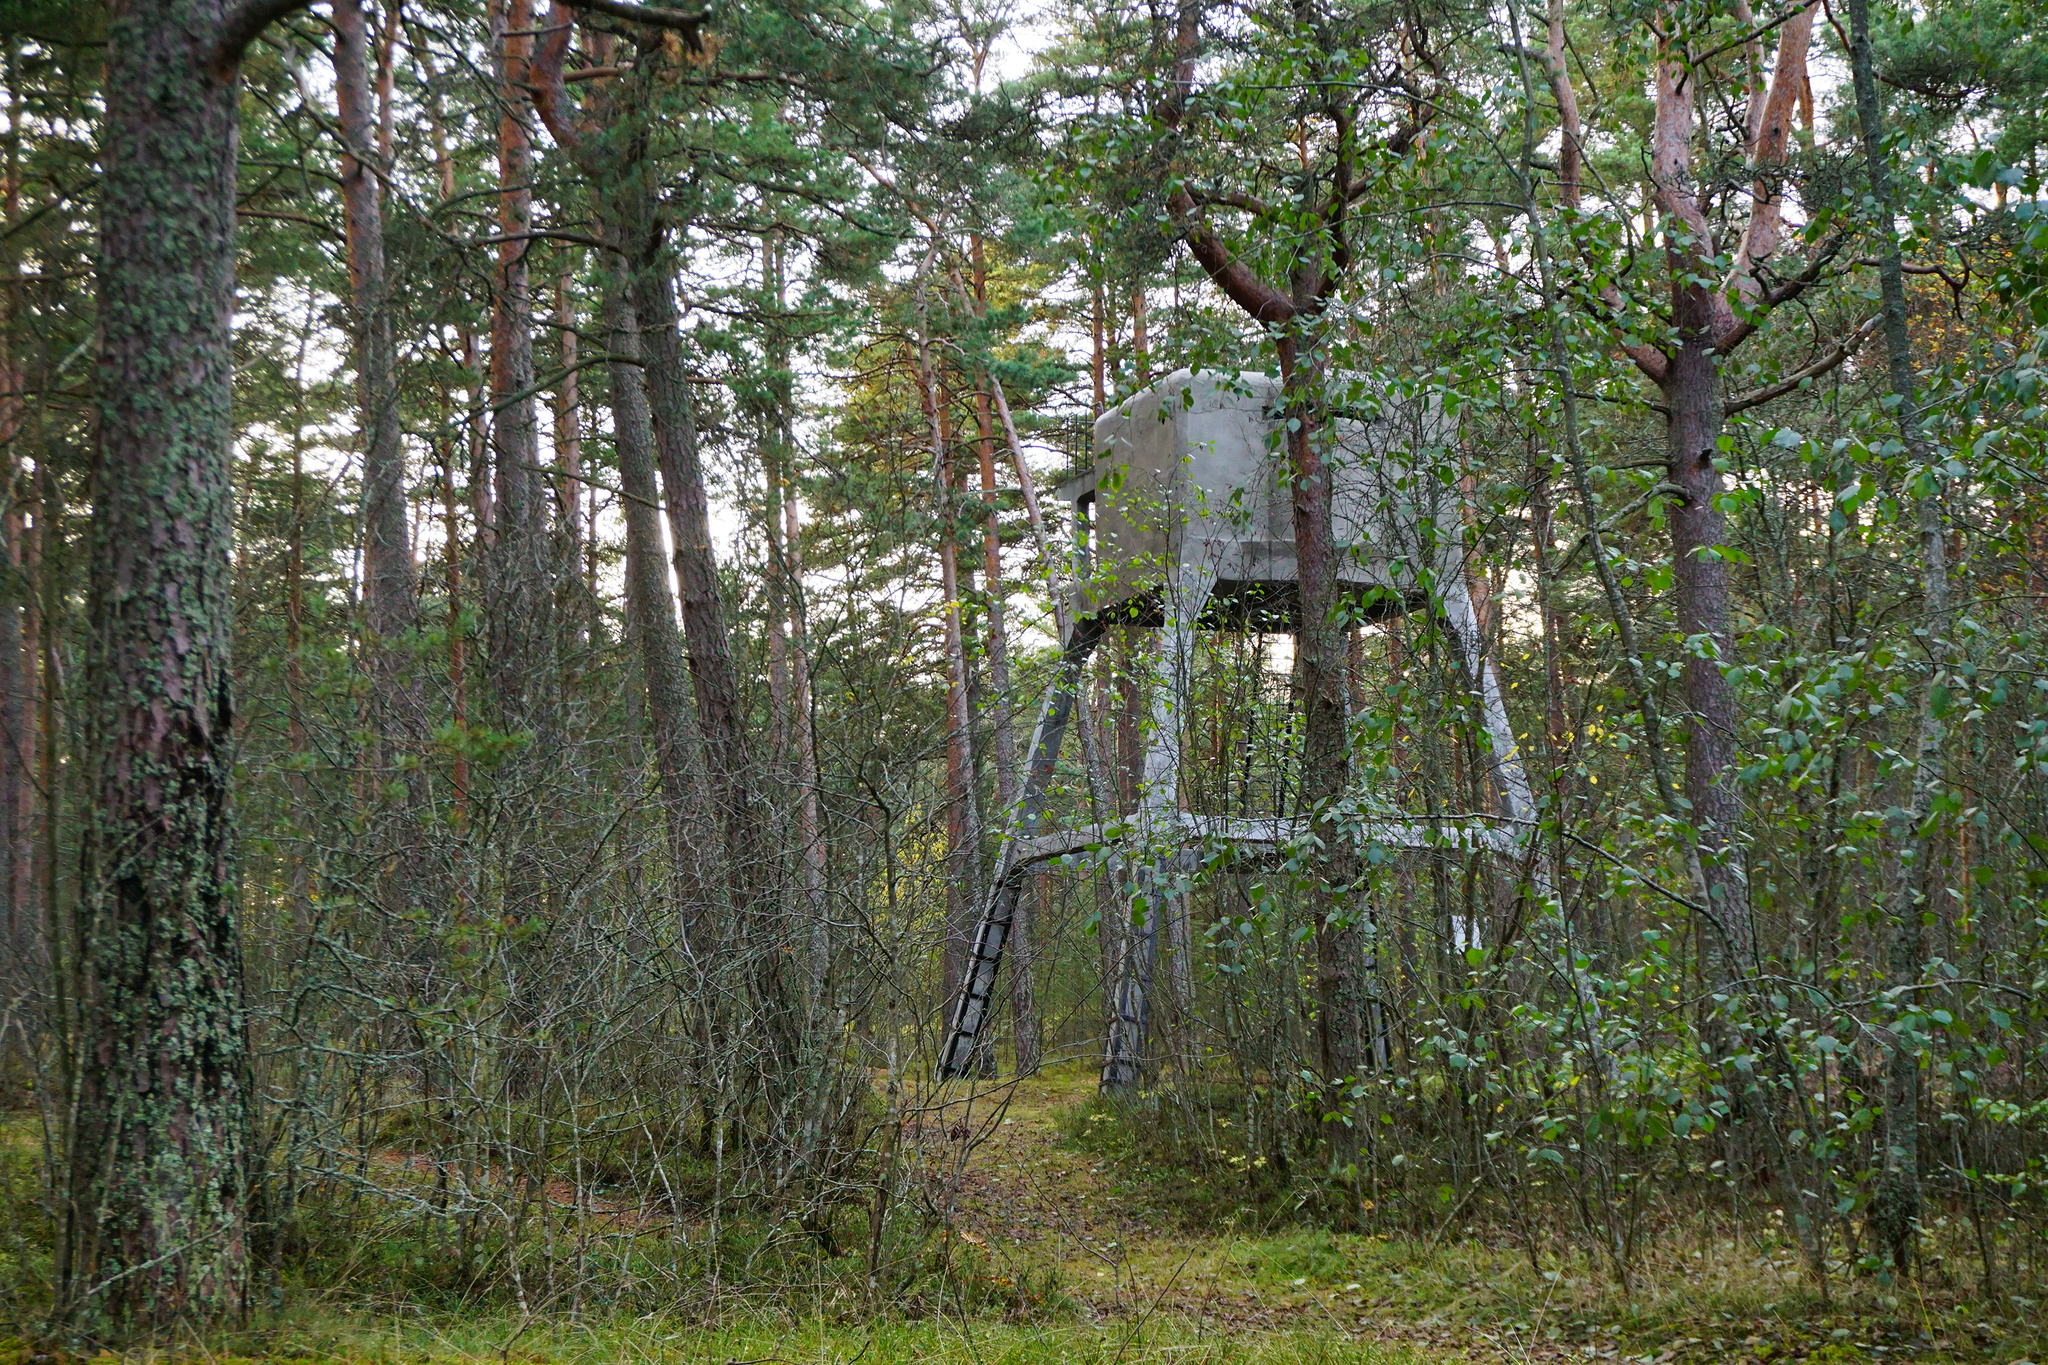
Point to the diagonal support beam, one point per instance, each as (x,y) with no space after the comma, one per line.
(1510,779)
(977,991)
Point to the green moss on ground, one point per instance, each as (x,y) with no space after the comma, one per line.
(1076,1243)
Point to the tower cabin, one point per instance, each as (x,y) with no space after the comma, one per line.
(1189,493)
(1185,521)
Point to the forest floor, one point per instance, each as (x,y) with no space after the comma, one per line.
(1132,1265)
(1128,1252)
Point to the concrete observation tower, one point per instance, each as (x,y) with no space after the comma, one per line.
(1185,523)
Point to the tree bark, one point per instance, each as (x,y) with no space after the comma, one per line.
(1141,346)
(771,449)
(963,820)
(1689,382)
(1326,758)
(810,834)
(712,673)
(17,747)
(1688,377)
(1571,148)
(1542,533)
(46,542)
(1896,1208)
(1705,327)
(627,203)
(458,631)
(775,627)
(569,457)
(648,602)
(1098,358)
(787,618)
(18,920)
(153,1225)
(515,601)
(1691,391)
(1026,1024)
(1002,733)
(389,590)
(35,794)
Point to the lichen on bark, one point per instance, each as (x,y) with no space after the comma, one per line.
(154,1228)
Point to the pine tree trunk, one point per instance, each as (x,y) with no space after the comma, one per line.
(1004,739)
(713,675)
(1098,357)
(787,547)
(789,690)
(1326,761)
(458,632)
(34,793)
(18,921)
(389,590)
(1320,655)
(153,1215)
(17,928)
(1141,347)
(627,203)
(772,448)
(775,629)
(46,542)
(1692,396)
(569,466)
(294,668)
(648,603)
(1896,1208)
(1542,531)
(963,817)
(515,598)
(810,835)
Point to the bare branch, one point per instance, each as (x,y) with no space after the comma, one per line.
(1236,279)
(1249,203)
(550,97)
(1734,331)
(1823,363)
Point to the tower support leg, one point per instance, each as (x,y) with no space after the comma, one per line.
(1156,867)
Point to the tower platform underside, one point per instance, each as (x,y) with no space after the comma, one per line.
(1267,599)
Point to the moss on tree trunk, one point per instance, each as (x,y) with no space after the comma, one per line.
(154,1228)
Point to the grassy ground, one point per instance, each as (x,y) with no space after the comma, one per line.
(1132,1269)
(407,1339)
(1045,1186)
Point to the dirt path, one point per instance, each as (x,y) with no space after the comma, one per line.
(1036,1200)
